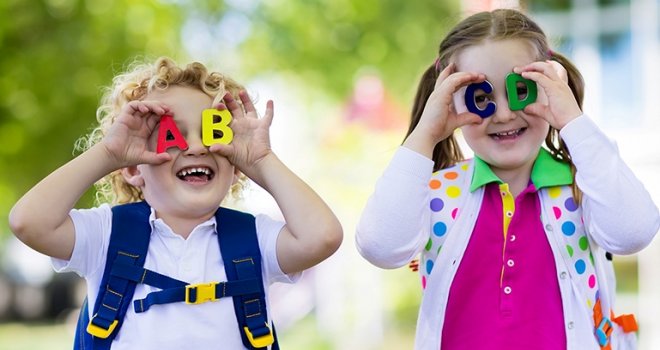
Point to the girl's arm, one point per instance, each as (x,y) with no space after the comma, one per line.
(619,213)
(41,217)
(394,224)
(312,232)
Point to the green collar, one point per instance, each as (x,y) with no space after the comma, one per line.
(546,172)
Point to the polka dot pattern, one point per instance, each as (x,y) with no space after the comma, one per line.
(557,212)
(568,228)
(439,229)
(437,204)
(570,205)
(453,191)
(568,218)
(448,190)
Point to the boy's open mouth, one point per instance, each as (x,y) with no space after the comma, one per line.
(195,174)
(508,135)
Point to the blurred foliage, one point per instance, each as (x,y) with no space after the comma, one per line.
(329,41)
(57,54)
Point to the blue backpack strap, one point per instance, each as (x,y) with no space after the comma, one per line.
(239,246)
(129,241)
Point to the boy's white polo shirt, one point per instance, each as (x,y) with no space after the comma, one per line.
(197,259)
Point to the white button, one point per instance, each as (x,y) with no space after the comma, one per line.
(513,238)
(510,262)
(570,325)
(509,213)
(548,227)
(507,290)
(563,275)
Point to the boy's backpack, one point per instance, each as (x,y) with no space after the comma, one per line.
(124,269)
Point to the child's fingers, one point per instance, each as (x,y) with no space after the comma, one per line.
(222,149)
(233,106)
(270,111)
(145,107)
(247,102)
(560,70)
(551,69)
(540,78)
(460,79)
(444,74)
(537,109)
(467,118)
(156,158)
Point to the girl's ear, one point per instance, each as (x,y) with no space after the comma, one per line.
(133,176)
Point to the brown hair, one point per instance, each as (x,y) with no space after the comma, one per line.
(141,79)
(499,24)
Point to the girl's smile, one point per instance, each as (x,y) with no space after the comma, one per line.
(508,141)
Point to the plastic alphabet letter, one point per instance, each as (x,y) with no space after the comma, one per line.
(515,103)
(471,104)
(169,135)
(215,127)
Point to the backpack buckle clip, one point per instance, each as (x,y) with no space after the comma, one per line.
(260,341)
(603,331)
(200,293)
(101,332)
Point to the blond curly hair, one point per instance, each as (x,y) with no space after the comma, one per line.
(139,80)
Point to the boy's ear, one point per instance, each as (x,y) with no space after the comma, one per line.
(133,176)
(237,176)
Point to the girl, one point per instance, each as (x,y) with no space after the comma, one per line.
(513,242)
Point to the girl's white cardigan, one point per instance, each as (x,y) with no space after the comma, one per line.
(619,216)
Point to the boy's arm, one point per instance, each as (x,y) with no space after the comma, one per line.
(41,217)
(312,232)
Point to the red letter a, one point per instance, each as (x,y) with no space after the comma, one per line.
(169,135)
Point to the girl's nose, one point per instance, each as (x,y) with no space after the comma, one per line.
(503,113)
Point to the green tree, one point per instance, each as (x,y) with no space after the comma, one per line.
(55,57)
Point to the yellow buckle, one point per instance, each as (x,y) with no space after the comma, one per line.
(260,342)
(101,332)
(205,292)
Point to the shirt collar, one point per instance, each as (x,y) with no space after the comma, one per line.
(546,172)
(159,225)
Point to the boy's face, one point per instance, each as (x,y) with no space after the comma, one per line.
(195,181)
(508,140)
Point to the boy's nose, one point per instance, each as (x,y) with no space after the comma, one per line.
(196,147)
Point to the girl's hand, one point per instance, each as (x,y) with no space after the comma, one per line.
(552,77)
(251,142)
(439,118)
(126,142)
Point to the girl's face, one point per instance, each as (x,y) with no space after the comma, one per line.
(195,181)
(508,140)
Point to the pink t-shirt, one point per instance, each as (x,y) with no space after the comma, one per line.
(505,294)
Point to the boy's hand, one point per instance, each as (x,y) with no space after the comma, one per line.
(553,78)
(127,140)
(251,142)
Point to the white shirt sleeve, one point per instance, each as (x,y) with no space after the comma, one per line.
(92,231)
(394,225)
(619,213)
(268,230)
